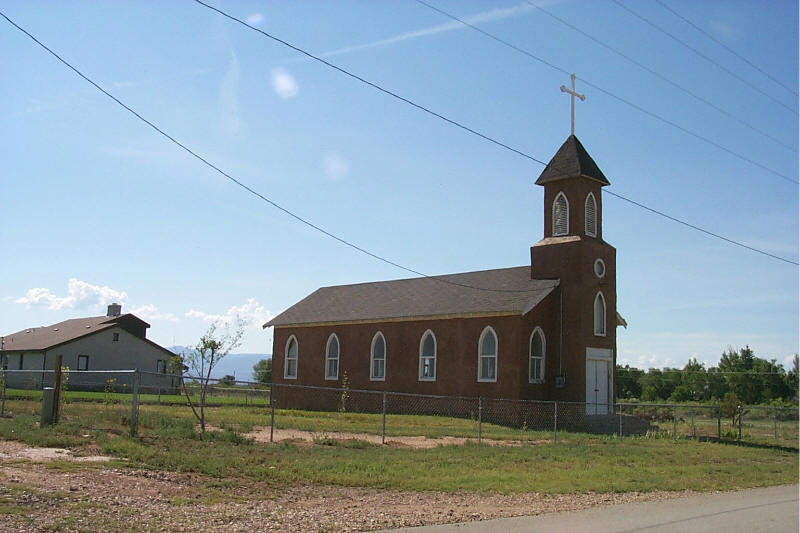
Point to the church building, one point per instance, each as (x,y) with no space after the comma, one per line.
(544,331)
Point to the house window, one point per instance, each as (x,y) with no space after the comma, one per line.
(115,337)
(560,215)
(487,355)
(21,356)
(161,366)
(332,357)
(427,357)
(83,362)
(378,358)
(590,216)
(600,315)
(290,359)
(536,364)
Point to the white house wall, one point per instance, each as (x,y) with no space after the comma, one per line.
(128,353)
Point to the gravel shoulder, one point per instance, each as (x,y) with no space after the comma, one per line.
(46,489)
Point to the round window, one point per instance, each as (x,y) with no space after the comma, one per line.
(599,268)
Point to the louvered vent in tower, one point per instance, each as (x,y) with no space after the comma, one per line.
(560,215)
(590,216)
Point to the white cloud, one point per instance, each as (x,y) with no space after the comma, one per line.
(283,83)
(151,312)
(253,313)
(334,165)
(229,96)
(255,19)
(80,295)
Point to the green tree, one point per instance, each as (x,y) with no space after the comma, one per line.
(628,382)
(209,351)
(227,380)
(262,371)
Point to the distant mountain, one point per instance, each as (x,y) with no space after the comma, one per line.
(239,365)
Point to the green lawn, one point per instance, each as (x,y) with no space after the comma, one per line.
(576,463)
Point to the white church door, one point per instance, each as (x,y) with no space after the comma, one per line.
(598,381)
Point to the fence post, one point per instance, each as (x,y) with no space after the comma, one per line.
(56,390)
(135,403)
(719,422)
(775,422)
(383,416)
(555,422)
(620,419)
(739,409)
(271,411)
(674,422)
(480,418)
(5,379)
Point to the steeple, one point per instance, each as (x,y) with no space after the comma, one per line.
(571,161)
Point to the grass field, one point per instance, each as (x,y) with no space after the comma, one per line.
(168,440)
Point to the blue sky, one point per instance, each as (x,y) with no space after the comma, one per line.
(97,207)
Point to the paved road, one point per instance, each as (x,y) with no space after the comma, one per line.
(773,509)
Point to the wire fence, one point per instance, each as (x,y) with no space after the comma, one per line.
(109,399)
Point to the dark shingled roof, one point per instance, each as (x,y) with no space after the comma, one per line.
(45,337)
(570,161)
(421,297)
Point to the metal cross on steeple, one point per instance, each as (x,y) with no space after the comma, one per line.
(572,101)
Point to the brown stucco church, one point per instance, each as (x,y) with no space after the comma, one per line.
(544,331)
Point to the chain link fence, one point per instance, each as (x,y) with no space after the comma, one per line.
(100,399)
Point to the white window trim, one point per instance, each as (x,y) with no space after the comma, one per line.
(594,267)
(586,220)
(338,357)
(286,357)
(531,356)
(486,330)
(86,358)
(605,315)
(435,356)
(555,201)
(372,357)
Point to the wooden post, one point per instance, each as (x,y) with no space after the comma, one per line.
(480,419)
(719,422)
(620,420)
(775,421)
(383,429)
(57,390)
(674,422)
(271,411)
(739,409)
(135,403)
(555,421)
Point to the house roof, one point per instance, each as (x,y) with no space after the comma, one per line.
(571,160)
(513,292)
(45,337)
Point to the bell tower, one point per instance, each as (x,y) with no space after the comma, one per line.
(573,251)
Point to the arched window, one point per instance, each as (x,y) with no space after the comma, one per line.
(600,315)
(537,351)
(590,216)
(487,355)
(427,357)
(290,359)
(332,357)
(560,215)
(377,358)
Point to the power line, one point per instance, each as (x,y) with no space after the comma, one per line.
(249,189)
(726,47)
(320,229)
(611,94)
(702,55)
(660,76)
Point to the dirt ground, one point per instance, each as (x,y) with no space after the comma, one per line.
(261,434)
(46,489)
